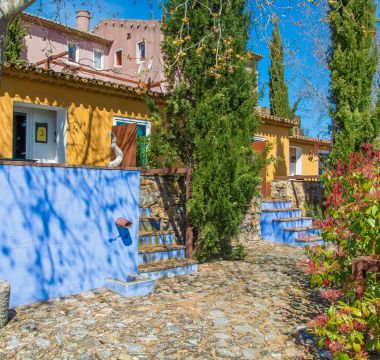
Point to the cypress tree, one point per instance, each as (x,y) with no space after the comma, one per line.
(352,62)
(211,114)
(17,30)
(278,89)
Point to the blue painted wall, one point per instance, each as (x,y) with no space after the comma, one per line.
(57,229)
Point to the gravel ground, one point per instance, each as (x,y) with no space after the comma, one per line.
(252,309)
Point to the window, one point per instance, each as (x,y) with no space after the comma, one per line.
(19,135)
(73,52)
(98,59)
(140,52)
(118,57)
(295,161)
(323,157)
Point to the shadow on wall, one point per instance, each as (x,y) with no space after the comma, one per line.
(313,191)
(58,233)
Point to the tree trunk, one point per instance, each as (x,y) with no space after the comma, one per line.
(9,9)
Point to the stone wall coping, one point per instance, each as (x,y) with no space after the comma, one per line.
(68,166)
(143,171)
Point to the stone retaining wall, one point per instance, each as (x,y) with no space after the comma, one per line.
(4,302)
(165,195)
(298,191)
(250,229)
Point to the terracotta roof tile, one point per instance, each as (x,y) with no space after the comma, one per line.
(31,68)
(263,113)
(306,139)
(68,29)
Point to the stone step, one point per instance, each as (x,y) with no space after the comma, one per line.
(156,237)
(154,253)
(291,235)
(149,223)
(302,228)
(133,285)
(279,225)
(310,239)
(168,268)
(280,210)
(275,204)
(290,219)
(145,211)
(268,215)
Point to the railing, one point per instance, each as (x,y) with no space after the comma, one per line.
(298,177)
(56,60)
(182,172)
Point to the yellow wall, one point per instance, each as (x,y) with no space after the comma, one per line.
(309,166)
(89,115)
(278,137)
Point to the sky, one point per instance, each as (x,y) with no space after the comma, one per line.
(304,35)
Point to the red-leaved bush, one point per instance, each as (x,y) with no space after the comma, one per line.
(351,327)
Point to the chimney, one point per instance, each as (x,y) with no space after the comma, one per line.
(83,20)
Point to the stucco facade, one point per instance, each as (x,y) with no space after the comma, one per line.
(291,155)
(139,43)
(127,34)
(86,110)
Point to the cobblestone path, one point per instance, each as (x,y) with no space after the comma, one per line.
(229,310)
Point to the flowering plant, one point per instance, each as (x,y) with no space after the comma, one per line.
(350,331)
(351,327)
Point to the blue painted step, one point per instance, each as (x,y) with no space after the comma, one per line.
(168,268)
(156,238)
(132,286)
(147,212)
(276,204)
(280,224)
(310,240)
(268,215)
(149,224)
(291,235)
(154,253)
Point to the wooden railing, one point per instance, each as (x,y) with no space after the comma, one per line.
(182,172)
(56,60)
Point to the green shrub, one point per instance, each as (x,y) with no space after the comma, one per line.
(351,328)
(315,211)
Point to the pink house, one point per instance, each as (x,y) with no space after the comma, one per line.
(123,51)
(118,50)
(135,50)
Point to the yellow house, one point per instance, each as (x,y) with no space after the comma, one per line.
(55,117)
(61,118)
(293,155)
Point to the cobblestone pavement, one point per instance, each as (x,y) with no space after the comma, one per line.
(229,310)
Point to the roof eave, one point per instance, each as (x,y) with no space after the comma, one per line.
(99,85)
(288,123)
(67,29)
(310,141)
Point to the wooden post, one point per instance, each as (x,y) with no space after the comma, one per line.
(189,230)
(364,264)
